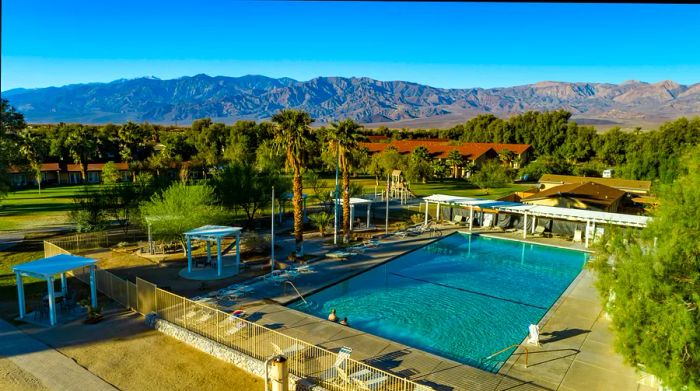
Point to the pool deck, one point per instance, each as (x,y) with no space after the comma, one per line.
(576,352)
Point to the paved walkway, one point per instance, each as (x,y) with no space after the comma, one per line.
(54,370)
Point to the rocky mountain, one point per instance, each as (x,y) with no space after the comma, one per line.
(329,98)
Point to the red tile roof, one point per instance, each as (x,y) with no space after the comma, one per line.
(44,167)
(96,167)
(440,148)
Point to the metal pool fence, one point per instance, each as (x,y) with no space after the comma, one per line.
(317,365)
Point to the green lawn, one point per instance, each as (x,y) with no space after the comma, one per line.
(29,209)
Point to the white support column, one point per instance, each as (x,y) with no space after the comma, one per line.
(64,285)
(471,217)
(189,254)
(427,207)
(368,209)
(93,287)
(534,222)
(593,230)
(209,251)
(20,294)
(437,213)
(352,215)
(52,301)
(525,226)
(588,228)
(238,251)
(219,263)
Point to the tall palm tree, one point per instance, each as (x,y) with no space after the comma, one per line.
(292,135)
(342,140)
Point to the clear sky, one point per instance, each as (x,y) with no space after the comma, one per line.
(50,43)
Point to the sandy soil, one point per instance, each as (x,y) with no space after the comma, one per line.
(124,352)
(13,378)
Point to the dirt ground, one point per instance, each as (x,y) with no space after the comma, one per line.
(13,378)
(124,352)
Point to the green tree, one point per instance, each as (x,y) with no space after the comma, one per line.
(81,143)
(110,174)
(455,160)
(241,185)
(420,165)
(342,140)
(34,150)
(291,137)
(11,123)
(650,283)
(492,174)
(179,209)
(321,220)
(132,140)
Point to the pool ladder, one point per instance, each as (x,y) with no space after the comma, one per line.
(506,348)
(297,290)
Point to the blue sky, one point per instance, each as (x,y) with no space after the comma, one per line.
(47,43)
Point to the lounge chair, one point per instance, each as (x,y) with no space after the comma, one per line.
(367,380)
(578,236)
(534,338)
(539,231)
(333,374)
(290,351)
(457,220)
(235,329)
(340,254)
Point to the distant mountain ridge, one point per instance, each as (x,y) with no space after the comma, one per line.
(327,99)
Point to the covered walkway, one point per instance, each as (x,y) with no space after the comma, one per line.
(590,217)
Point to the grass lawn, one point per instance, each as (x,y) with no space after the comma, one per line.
(26,209)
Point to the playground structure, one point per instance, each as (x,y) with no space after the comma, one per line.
(399,188)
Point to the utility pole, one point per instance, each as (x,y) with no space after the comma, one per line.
(335,220)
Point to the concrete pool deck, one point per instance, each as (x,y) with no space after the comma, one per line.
(576,352)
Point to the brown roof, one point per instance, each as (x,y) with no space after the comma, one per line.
(96,167)
(44,167)
(589,192)
(440,148)
(612,182)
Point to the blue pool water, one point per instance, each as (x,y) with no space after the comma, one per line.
(463,297)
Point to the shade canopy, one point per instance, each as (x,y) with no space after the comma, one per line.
(213,232)
(356,201)
(51,266)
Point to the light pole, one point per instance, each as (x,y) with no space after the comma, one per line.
(335,209)
(272,233)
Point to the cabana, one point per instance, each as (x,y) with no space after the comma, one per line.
(213,233)
(357,201)
(47,269)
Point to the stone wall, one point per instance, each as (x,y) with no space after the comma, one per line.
(222,352)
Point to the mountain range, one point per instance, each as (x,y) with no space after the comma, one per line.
(392,103)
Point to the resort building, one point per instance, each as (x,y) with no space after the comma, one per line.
(628,185)
(23,176)
(475,154)
(588,195)
(54,174)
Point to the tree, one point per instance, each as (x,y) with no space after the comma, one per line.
(291,136)
(241,185)
(11,123)
(420,165)
(342,140)
(34,150)
(650,284)
(491,175)
(110,174)
(455,160)
(506,157)
(545,165)
(81,143)
(121,202)
(321,221)
(179,209)
(132,140)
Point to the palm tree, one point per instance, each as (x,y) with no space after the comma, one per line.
(291,135)
(342,140)
(454,159)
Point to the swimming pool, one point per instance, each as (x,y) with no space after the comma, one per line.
(463,297)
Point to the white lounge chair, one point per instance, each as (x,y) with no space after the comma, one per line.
(539,230)
(290,351)
(235,329)
(340,254)
(333,373)
(457,220)
(578,236)
(534,338)
(367,380)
